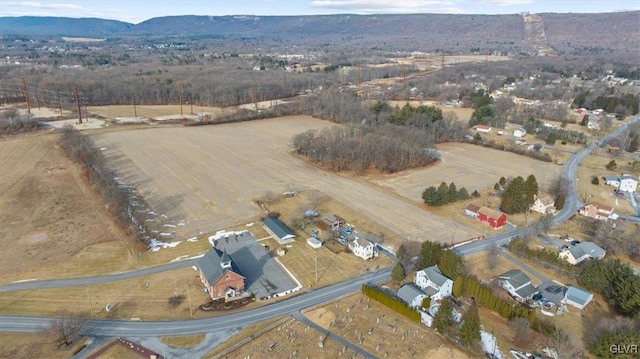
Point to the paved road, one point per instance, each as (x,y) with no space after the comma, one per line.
(72,282)
(116,328)
(289,306)
(572,202)
(519,263)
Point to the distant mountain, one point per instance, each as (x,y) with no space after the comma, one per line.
(571,32)
(61,26)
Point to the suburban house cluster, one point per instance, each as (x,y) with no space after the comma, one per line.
(548,294)
(358,244)
(428,283)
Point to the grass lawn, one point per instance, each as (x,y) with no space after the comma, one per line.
(183,341)
(34,345)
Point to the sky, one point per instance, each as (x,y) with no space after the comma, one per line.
(136,11)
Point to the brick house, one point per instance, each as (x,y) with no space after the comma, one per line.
(333,222)
(220,276)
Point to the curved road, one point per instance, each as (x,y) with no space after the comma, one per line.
(288,306)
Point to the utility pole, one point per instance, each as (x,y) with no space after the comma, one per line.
(191,103)
(316,268)
(135,109)
(37,99)
(180,97)
(78,105)
(86,289)
(26,95)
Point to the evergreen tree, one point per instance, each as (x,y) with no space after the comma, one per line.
(398,274)
(463,194)
(496,187)
(634,144)
(559,203)
(443,191)
(477,138)
(429,255)
(470,331)
(611,165)
(595,180)
(502,181)
(451,264)
(514,197)
(531,188)
(443,320)
(475,194)
(453,192)
(431,197)
(426,302)
(585,120)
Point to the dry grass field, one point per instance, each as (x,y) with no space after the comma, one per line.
(183,341)
(470,166)
(393,336)
(152,111)
(287,338)
(33,345)
(208,176)
(53,222)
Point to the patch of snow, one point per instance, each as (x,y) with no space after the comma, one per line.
(24,280)
(490,345)
(103,148)
(192,239)
(169,225)
(249,224)
(222,234)
(166,234)
(155,245)
(185,257)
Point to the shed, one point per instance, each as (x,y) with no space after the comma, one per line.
(577,297)
(314,243)
(278,230)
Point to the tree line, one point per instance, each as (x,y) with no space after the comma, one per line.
(444,194)
(122,201)
(389,300)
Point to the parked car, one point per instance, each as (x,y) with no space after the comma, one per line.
(569,239)
(573,243)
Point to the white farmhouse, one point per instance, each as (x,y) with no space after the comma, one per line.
(581,252)
(517,284)
(433,283)
(363,248)
(543,205)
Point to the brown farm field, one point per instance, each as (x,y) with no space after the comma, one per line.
(53,222)
(470,166)
(208,176)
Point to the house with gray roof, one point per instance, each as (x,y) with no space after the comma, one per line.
(552,292)
(577,297)
(623,182)
(220,275)
(412,295)
(581,252)
(278,230)
(517,284)
(433,283)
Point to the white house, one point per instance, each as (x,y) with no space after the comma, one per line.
(363,248)
(433,283)
(518,285)
(412,295)
(543,205)
(581,252)
(519,132)
(577,297)
(624,182)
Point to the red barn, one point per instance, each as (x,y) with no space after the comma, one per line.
(495,219)
(487,215)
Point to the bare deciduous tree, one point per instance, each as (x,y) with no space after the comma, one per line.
(68,327)
(492,257)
